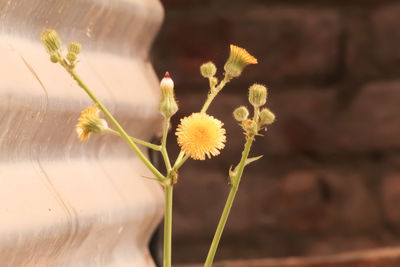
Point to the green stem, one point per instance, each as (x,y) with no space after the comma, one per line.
(213,93)
(179,163)
(228,204)
(168,198)
(136,140)
(111,118)
(168,225)
(164,152)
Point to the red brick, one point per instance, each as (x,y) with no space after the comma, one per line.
(384,257)
(358,48)
(385,23)
(310,121)
(390,194)
(288,42)
(186,42)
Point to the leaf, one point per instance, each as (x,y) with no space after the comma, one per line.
(150,178)
(250,160)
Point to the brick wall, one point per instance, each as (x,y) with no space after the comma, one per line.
(330,178)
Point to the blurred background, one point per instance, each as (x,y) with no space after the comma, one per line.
(329,180)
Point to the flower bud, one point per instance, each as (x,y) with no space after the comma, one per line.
(54,58)
(250,127)
(74,47)
(208,70)
(257,95)
(51,41)
(168,106)
(238,59)
(241,113)
(71,57)
(213,82)
(266,117)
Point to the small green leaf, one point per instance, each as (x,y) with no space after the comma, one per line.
(250,160)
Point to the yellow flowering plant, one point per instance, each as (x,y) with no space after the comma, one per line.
(199,135)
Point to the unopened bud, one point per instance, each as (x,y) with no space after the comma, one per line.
(208,70)
(54,58)
(257,95)
(74,47)
(71,57)
(238,59)
(168,106)
(266,117)
(241,113)
(213,82)
(51,41)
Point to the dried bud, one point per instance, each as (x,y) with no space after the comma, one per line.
(51,41)
(241,113)
(208,70)
(168,106)
(238,59)
(90,122)
(250,127)
(257,95)
(266,117)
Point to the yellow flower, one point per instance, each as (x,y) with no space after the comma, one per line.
(89,122)
(200,135)
(238,59)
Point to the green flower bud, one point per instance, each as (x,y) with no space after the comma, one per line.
(213,82)
(266,117)
(257,95)
(208,70)
(74,47)
(51,41)
(241,113)
(71,57)
(54,58)
(168,106)
(238,59)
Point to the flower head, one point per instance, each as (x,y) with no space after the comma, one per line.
(200,135)
(89,122)
(238,59)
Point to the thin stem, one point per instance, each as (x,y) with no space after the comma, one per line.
(164,152)
(213,93)
(179,163)
(256,112)
(168,225)
(136,140)
(228,204)
(111,118)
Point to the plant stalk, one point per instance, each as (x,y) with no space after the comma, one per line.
(118,127)
(136,140)
(168,226)
(228,204)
